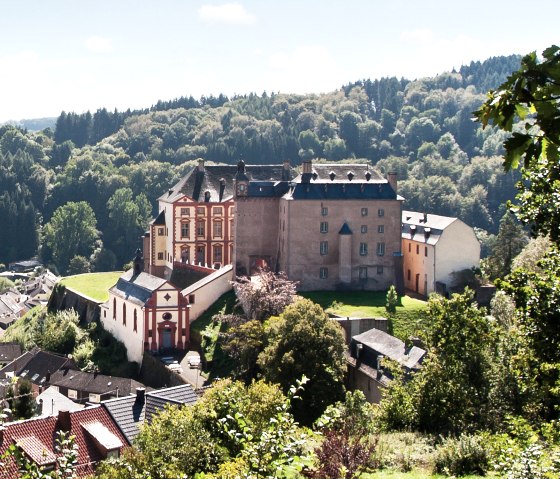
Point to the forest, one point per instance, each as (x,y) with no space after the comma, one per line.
(104,171)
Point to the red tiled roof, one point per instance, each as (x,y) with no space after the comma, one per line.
(37,439)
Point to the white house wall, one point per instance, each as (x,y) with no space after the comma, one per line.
(113,322)
(207,291)
(457,249)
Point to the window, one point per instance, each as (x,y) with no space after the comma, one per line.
(380,270)
(217,210)
(160,256)
(124,314)
(324,247)
(364,211)
(72,394)
(323,273)
(324,211)
(161,231)
(362,273)
(200,228)
(135,325)
(381,228)
(191,298)
(380,212)
(363,249)
(218,253)
(363,229)
(409,247)
(185,211)
(324,227)
(95,398)
(185,230)
(408,275)
(417,249)
(184,332)
(426,251)
(217,229)
(200,210)
(114,308)
(167,316)
(380,249)
(150,333)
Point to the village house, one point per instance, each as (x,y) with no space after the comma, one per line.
(367,351)
(130,412)
(434,248)
(95,434)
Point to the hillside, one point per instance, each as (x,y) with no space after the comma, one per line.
(422,129)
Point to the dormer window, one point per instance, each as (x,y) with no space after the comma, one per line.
(206,196)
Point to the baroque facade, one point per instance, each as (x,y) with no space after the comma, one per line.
(196,216)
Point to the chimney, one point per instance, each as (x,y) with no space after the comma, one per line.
(392,179)
(307,172)
(425,217)
(64,423)
(140,395)
(200,166)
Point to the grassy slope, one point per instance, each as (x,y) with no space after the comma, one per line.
(367,304)
(94,285)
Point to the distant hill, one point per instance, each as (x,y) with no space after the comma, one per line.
(34,124)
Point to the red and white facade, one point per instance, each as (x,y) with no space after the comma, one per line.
(146,313)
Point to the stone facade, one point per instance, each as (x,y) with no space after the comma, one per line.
(332,227)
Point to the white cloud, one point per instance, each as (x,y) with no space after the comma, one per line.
(226,14)
(98,44)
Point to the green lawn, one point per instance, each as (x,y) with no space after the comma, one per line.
(408,320)
(94,285)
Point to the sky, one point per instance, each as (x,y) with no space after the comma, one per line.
(79,55)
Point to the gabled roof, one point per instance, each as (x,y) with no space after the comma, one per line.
(94,432)
(424,227)
(156,400)
(218,180)
(93,383)
(130,412)
(38,365)
(52,401)
(391,347)
(137,288)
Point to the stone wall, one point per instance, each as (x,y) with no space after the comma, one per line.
(63,298)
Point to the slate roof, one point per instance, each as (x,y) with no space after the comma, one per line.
(93,383)
(156,400)
(36,365)
(130,412)
(9,352)
(322,171)
(349,190)
(218,181)
(137,288)
(92,427)
(391,347)
(424,227)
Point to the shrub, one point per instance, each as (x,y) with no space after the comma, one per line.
(461,456)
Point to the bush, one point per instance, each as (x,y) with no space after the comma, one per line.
(461,456)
